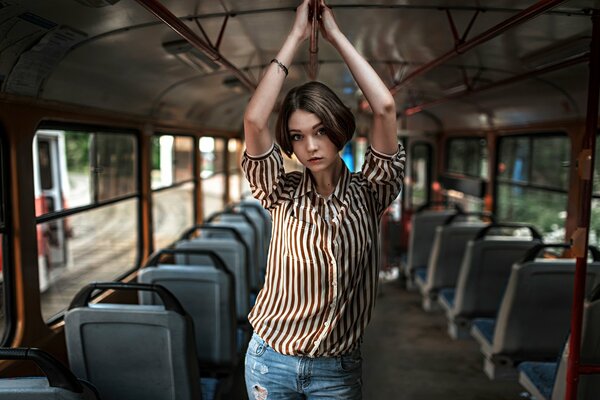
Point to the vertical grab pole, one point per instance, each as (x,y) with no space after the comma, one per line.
(314,40)
(585,166)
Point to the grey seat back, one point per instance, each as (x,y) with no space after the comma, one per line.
(132,352)
(207,294)
(247,234)
(534,316)
(423,225)
(484,273)
(231,253)
(254,207)
(447,253)
(58,384)
(589,385)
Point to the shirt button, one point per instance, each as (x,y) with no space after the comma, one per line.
(334,284)
(332,305)
(326,324)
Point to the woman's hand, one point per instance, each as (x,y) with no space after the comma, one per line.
(301,27)
(328,25)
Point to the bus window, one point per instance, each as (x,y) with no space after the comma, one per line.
(595,211)
(237,183)
(172,187)
(212,173)
(85,184)
(420,174)
(466,173)
(531,182)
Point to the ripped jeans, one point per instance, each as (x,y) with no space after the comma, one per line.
(273,376)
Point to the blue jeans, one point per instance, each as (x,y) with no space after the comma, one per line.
(273,376)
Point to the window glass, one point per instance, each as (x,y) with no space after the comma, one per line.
(83,168)
(213,174)
(549,155)
(594,237)
(514,161)
(234,147)
(172,213)
(94,245)
(546,210)
(77,168)
(172,160)
(533,183)
(467,156)
(420,174)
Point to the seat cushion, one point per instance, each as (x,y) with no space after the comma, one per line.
(447,296)
(541,375)
(421,275)
(486,327)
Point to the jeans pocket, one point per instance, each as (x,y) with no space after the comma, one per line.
(351,361)
(257,346)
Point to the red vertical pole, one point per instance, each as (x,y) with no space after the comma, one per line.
(585,164)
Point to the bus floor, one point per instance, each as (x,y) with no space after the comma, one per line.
(408,355)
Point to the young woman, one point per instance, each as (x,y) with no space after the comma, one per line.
(322,271)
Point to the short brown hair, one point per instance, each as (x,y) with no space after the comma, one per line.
(316,98)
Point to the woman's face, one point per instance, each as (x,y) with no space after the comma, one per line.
(310,143)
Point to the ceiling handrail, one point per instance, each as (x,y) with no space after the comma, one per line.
(526,15)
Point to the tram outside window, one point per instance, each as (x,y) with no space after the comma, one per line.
(532,183)
(172,187)
(212,173)
(87,207)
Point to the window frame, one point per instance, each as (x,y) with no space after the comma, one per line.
(57,215)
(6,232)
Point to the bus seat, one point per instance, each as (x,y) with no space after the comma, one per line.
(247,234)
(482,278)
(241,221)
(59,382)
(132,352)
(533,318)
(231,253)
(253,211)
(444,263)
(547,381)
(207,293)
(420,241)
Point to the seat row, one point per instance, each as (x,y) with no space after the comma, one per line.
(187,335)
(495,288)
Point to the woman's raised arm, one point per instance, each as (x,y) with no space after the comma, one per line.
(256,132)
(384,137)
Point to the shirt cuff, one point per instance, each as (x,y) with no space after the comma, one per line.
(385,156)
(260,156)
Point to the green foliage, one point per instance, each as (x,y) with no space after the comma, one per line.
(78,151)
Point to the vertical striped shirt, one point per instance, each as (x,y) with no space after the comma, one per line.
(323,264)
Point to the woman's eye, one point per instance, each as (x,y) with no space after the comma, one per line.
(321,131)
(296,137)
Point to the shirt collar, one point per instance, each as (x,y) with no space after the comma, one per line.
(306,184)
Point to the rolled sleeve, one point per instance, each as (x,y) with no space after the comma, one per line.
(384,173)
(265,173)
